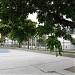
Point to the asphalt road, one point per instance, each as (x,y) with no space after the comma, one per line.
(19,62)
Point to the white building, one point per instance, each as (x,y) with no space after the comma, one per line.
(9,41)
(66,45)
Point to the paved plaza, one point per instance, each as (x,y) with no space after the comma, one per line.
(17,62)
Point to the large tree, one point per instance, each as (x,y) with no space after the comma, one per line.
(50,12)
(22,30)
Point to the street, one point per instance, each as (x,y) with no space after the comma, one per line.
(19,62)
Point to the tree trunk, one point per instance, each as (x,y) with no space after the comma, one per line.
(31,43)
(35,42)
(28,44)
(19,44)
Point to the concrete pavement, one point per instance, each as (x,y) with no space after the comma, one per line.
(19,62)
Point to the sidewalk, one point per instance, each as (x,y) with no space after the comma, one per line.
(19,62)
(66,53)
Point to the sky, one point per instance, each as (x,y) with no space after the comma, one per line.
(33,17)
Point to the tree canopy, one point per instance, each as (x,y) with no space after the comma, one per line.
(22,30)
(46,9)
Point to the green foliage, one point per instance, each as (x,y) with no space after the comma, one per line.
(54,45)
(68,37)
(22,30)
(40,30)
(41,41)
(12,9)
(46,9)
(73,41)
(4,29)
(2,39)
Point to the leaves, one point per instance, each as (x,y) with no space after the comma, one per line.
(73,41)
(54,45)
(22,30)
(4,29)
